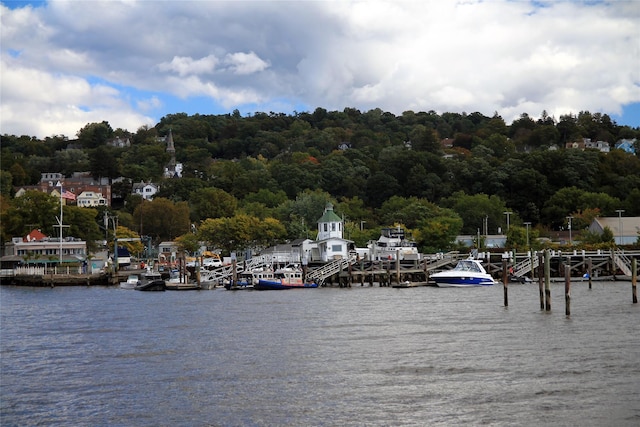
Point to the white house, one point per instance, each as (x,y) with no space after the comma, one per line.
(89,198)
(145,189)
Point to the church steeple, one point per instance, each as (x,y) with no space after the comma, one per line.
(171,167)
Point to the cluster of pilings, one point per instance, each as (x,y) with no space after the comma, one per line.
(544,282)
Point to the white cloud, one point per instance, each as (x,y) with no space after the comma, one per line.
(505,56)
(40,104)
(185,66)
(245,63)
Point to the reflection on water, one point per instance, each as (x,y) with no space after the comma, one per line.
(323,357)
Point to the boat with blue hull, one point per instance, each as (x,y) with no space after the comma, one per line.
(467,273)
(284,278)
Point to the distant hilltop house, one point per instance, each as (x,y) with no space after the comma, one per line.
(586,143)
(625,229)
(118,142)
(627,145)
(145,189)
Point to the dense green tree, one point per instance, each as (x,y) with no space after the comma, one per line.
(211,203)
(305,210)
(69,161)
(93,135)
(479,212)
(34,209)
(162,219)
(6,179)
(82,224)
(437,232)
(235,233)
(104,162)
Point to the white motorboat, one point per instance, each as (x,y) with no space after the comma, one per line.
(467,273)
(391,244)
(131,283)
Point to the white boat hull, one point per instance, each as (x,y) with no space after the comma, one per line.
(467,274)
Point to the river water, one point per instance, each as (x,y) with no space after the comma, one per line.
(360,356)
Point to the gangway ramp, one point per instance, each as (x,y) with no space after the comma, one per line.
(623,262)
(319,274)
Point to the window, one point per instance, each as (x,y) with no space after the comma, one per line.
(336,248)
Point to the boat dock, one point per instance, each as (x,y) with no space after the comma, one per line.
(612,264)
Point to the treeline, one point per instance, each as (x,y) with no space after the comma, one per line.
(376,167)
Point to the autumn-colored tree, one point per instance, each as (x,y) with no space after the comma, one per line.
(133,246)
(240,232)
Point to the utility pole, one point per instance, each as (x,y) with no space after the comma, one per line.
(507,214)
(620,212)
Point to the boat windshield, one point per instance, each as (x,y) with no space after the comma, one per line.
(468,266)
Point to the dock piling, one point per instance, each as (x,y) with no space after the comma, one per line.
(505,279)
(634,279)
(541,279)
(547,279)
(567,290)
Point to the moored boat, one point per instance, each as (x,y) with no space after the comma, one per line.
(467,273)
(131,283)
(393,243)
(151,281)
(283,278)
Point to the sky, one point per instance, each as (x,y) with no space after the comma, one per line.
(64,64)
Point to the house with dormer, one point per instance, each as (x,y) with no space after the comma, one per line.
(91,197)
(145,189)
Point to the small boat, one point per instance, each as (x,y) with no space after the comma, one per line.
(467,273)
(409,284)
(151,281)
(240,285)
(283,278)
(131,283)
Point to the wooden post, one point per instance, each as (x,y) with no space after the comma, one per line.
(541,279)
(547,280)
(198,276)
(532,258)
(505,279)
(567,290)
(589,270)
(234,272)
(634,279)
(398,266)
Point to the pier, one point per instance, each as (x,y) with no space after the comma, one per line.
(612,264)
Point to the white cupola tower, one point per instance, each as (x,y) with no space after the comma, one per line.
(329,225)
